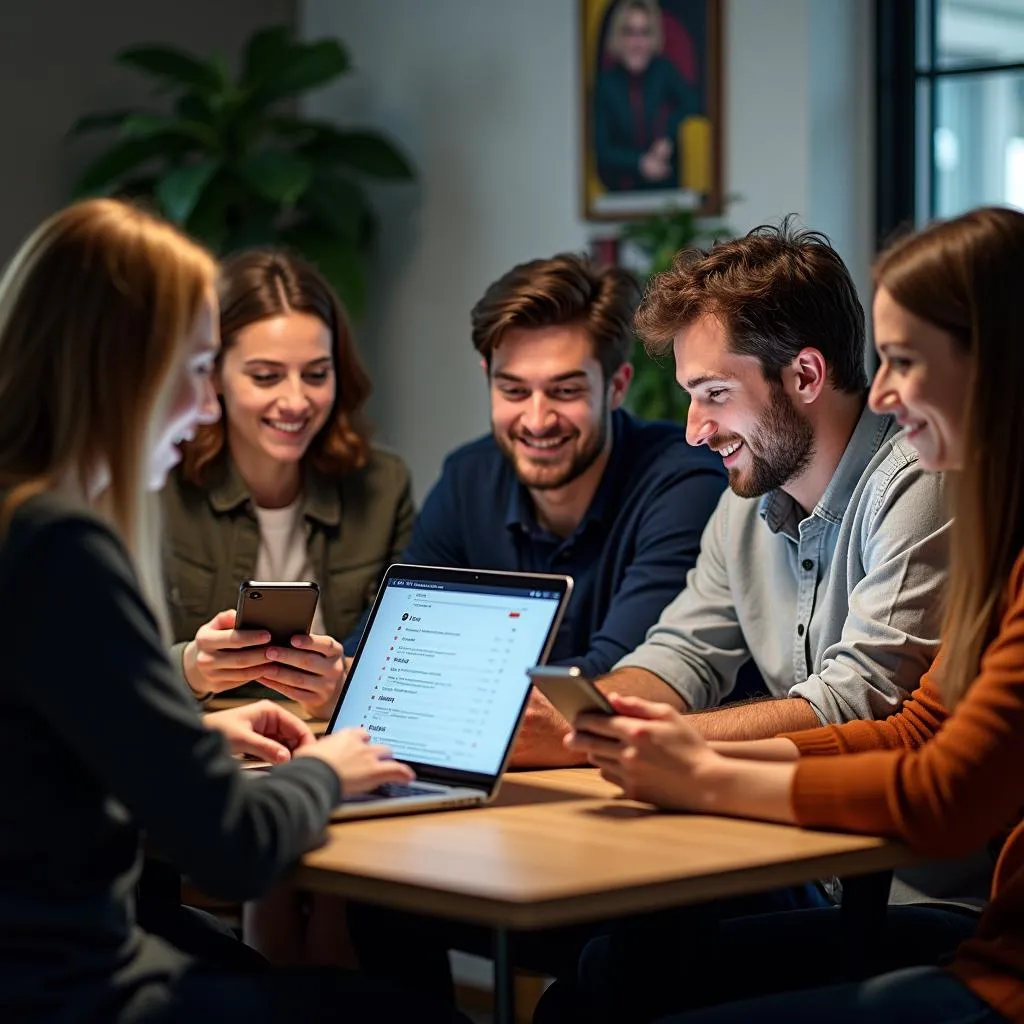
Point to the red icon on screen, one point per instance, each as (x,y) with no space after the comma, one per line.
(513,615)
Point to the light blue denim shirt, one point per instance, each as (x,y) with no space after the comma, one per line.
(840,607)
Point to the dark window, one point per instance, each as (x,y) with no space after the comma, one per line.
(950,108)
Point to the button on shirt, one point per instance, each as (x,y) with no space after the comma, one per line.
(629,556)
(840,607)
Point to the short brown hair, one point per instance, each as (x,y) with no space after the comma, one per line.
(566,290)
(776,290)
(262,283)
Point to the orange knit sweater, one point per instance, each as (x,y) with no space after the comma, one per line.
(945,783)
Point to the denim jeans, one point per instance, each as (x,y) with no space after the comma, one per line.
(915,995)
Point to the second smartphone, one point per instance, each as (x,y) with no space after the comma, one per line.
(284,610)
(569,690)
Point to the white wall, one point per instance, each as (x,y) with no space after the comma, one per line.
(484,96)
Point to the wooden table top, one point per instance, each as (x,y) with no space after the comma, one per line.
(559,847)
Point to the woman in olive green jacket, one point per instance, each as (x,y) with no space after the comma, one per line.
(285,487)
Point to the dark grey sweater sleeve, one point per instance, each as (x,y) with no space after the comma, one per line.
(111,694)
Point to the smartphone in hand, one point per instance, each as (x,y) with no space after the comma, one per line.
(284,610)
(570,691)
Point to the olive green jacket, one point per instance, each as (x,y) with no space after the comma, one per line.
(358,525)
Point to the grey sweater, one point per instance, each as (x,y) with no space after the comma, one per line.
(100,742)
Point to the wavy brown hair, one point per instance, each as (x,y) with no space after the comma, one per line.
(963,276)
(262,283)
(565,290)
(94,310)
(776,290)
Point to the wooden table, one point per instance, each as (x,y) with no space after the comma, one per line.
(557,847)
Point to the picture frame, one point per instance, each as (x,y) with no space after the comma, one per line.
(651,93)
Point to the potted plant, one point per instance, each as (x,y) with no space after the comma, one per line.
(654,394)
(226,158)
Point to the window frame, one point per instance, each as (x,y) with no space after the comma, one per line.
(899,77)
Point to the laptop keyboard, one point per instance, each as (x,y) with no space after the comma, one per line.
(391,790)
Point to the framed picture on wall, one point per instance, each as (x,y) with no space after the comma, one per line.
(652,72)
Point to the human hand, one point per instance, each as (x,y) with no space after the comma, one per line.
(539,743)
(654,164)
(360,765)
(312,671)
(647,749)
(222,657)
(661,149)
(263,729)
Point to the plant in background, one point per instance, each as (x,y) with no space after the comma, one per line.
(226,159)
(654,394)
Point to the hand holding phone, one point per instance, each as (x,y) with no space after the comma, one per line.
(570,691)
(304,668)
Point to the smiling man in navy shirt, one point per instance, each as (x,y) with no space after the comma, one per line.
(568,481)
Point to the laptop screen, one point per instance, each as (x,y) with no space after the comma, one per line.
(440,675)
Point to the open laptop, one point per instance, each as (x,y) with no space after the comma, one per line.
(440,677)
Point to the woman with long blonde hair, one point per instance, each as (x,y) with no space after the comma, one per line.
(945,773)
(108,334)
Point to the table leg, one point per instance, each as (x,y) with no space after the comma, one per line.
(504,979)
(865,899)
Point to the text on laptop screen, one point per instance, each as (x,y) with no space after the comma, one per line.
(442,673)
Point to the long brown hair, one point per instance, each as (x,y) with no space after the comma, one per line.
(964,276)
(94,310)
(263,283)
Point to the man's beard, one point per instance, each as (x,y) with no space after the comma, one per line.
(550,478)
(780,448)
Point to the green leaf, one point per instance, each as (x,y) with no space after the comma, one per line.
(303,67)
(179,189)
(276,175)
(193,106)
(144,126)
(95,122)
(362,151)
(338,202)
(208,220)
(336,259)
(654,393)
(256,227)
(103,174)
(174,66)
(265,52)
(294,127)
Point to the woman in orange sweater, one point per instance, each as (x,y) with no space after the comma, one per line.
(946,774)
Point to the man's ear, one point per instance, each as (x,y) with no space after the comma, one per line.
(618,385)
(806,376)
(485,368)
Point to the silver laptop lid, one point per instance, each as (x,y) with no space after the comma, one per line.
(440,671)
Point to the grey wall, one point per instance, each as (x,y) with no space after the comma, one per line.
(55,66)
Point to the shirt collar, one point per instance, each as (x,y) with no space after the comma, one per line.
(780,512)
(321,496)
(520,511)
